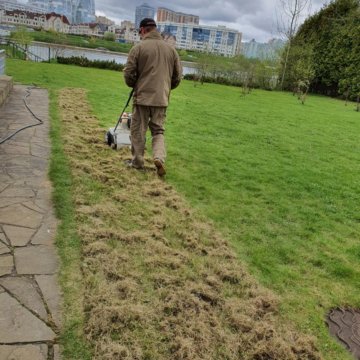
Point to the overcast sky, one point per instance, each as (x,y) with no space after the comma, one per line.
(254,18)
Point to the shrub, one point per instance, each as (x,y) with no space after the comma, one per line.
(84,62)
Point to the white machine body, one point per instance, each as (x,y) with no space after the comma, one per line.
(121,137)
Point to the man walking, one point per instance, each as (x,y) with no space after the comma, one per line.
(153,69)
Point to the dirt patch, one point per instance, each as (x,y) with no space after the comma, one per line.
(160,282)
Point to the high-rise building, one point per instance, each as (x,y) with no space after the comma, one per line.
(42,4)
(10,5)
(77,11)
(143,11)
(263,51)
(84,11)
(164,14)
(214,39)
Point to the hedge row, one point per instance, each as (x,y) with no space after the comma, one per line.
(82,61)
(215,80)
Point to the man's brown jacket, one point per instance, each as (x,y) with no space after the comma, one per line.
(153,68)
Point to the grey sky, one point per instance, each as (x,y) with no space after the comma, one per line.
(254,18)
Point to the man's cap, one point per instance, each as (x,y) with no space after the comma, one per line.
(147,22)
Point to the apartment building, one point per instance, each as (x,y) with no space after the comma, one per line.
(164,14)
(57,22)
(104,20)
(49,21)
(214,39)
(90,29)
(263,51)
(143,11)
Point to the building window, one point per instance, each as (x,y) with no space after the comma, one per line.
(218,37)
(184,33)
(200,34)
(170,29)
(231,39)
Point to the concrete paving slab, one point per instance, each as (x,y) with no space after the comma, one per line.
(3,238)
(6,265)
(36,260)
(23,352)
(4,178)
(11,201)
(3,186)
(47,232)
(34,181)
(15,149)
(19,172)
(24,136)
(4,249)
(13,160)
(38,163)
(25,290)
(43,203)
(45,191)
(26,214)
(19,236)
(57,354)
(18,215)
(40,151)
(18,325)
(13,191)
(49,287)
(32,206)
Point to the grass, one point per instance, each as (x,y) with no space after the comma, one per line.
(159,281)
(277,178)
(281,180)
(67,241)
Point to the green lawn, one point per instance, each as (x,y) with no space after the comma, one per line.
(282,180)
(279,179)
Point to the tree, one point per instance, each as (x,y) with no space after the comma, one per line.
(205,65)
(109,36)
(301,72)
(350,84)
(21,36)
(288,25)
(266,73)
(60,39)
(333,37)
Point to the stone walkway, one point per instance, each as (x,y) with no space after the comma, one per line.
(29,295)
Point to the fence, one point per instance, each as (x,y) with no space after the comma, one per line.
(2,62)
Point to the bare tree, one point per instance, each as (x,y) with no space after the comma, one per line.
(288,23)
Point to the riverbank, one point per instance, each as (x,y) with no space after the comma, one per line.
(95,43)
(49,51)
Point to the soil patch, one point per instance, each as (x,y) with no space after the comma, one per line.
(160,282)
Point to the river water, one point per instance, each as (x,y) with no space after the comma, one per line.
(50,51)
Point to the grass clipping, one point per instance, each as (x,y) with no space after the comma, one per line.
(160,282)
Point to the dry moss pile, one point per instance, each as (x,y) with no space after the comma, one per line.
(159,282)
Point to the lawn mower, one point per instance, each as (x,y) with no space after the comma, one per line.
(119,136)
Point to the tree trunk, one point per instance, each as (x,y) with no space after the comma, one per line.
(304,95)
(285,65)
